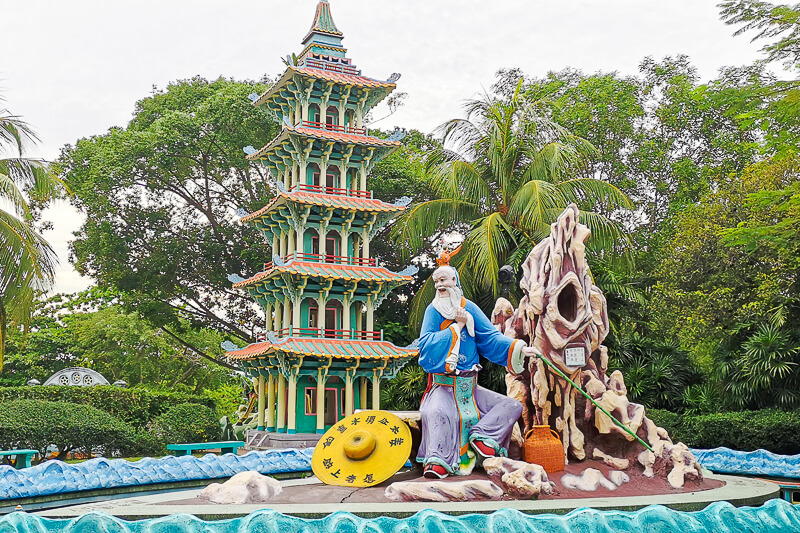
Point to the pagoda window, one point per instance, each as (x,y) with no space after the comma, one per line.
(350,117)
(330,404)
(331,246)
(311,241)
(333,318)
(313,177)
(313,113)
(352,179)
(333,116)
(332,179)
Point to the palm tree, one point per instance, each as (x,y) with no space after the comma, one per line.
(505,180)
(27,262)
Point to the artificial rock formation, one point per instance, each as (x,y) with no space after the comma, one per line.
(520,479)
(245,487)
(443,491)
(592,479)
(564,317)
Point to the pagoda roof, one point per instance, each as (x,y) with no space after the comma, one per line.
(346,203)
(327,271)
(325,348)
(323,135)
(335,73)
(323,21)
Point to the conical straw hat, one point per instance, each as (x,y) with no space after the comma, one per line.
(362,450)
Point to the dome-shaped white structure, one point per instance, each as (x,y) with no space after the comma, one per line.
(77,377)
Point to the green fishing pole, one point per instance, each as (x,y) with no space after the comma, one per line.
(609,415)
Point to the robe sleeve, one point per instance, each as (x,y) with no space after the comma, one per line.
(491,344)
(434,344)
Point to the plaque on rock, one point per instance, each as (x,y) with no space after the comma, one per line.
(575,356)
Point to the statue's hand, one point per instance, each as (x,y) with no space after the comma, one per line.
(461,316)
(516,363)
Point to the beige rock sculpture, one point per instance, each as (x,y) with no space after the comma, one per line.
(592,479)
(245,487)
(443,491)
(564,317)
(520,479)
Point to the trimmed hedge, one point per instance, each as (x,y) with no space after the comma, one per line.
(187,423)
(38,424)
(136,407)
(772,430)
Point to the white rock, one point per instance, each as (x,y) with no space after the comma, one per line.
(618,478)
(588,481)
(443,491)
(613,462)
(521,479)
(246,487)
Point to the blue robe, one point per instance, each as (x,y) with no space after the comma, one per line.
(458,413)
(435,342)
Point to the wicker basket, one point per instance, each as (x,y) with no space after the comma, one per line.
(543,447)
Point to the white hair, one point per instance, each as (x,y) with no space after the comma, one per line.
(446,268)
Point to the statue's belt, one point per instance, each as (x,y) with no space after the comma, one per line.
(463,391)
(449,380)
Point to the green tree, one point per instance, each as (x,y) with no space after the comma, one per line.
(27,262)
(94,329)
(780,22)
(161,198)
(506,179)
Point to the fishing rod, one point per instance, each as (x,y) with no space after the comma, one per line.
(609,415)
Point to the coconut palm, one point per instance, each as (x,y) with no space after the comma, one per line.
(27,262)
(505,177)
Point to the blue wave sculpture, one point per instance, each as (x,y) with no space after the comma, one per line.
(56,477)
(719,517)
(760,462)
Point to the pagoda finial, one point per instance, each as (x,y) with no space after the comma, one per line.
(323,21)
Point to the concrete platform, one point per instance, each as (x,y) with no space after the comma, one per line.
(263,440)
(738,491)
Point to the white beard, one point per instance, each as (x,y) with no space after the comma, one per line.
(447,307)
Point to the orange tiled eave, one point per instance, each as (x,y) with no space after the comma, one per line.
(289,346)
(328,270)
(349,79)
(326,200)
(324,135)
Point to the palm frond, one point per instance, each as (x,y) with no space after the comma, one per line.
(427,218)
(458,180)
(24,255)
(590,193)
(533,206)
(606,234)
(490,242)
(15,131)
(33,176)
(554,160)
(419,303)
(11,194)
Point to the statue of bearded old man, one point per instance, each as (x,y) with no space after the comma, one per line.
(456,413)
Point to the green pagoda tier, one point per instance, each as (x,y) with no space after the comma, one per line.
(320,353)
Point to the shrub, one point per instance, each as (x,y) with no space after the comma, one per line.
(136,407)
(185,423)
(38,424)
(776,431)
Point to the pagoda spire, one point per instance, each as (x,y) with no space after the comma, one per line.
(323,25)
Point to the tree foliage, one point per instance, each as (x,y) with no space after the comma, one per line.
(94,329)
(27,262)
(161,198)
(503,175)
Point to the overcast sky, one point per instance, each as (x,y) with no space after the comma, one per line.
(73,69)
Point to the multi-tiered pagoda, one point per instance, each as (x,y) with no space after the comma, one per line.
(320,291)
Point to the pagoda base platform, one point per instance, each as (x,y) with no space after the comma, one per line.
(269,440)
